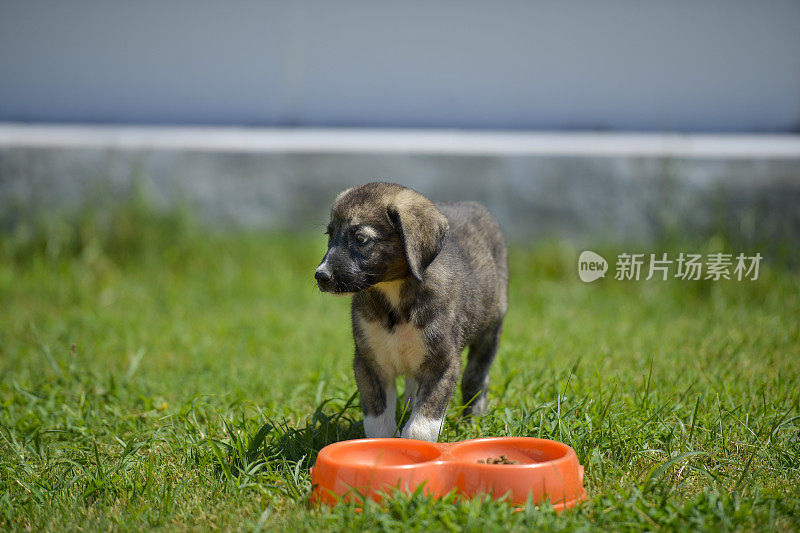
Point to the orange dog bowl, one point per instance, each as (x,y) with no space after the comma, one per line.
(371,468)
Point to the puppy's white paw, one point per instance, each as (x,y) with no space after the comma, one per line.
(381,426)
(478,406)
(422,428)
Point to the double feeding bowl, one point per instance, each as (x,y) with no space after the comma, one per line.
(518,468)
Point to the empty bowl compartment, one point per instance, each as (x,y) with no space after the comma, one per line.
(368,467)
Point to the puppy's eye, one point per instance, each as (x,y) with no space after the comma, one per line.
(361,238)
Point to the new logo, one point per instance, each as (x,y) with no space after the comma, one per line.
(591,266)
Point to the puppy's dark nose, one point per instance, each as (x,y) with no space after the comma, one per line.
(322,275)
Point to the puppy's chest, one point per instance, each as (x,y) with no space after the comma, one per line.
(398,351)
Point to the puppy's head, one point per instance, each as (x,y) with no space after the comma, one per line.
(379,232)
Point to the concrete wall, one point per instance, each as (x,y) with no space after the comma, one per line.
(589,189)
(682,65)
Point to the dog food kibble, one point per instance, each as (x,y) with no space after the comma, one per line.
(502,460)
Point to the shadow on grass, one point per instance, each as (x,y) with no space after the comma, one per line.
(279,453)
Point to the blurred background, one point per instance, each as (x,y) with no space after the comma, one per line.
(615,121)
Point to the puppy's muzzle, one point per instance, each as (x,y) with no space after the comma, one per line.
(323,276)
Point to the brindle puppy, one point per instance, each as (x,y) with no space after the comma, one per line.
(427,281)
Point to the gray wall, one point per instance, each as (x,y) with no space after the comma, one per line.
(547,186)
(681,65)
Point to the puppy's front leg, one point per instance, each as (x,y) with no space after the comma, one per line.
(436,381)
(378,398)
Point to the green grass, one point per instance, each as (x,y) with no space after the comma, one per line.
(152,376)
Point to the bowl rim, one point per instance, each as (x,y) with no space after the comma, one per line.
(446,456)
(567,453)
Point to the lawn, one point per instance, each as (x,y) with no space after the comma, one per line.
(153,375)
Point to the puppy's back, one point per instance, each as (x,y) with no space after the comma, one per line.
(476,230)
(475,253)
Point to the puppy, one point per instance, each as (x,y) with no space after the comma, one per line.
(427,280)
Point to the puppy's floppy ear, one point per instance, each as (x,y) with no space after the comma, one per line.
(421,226)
